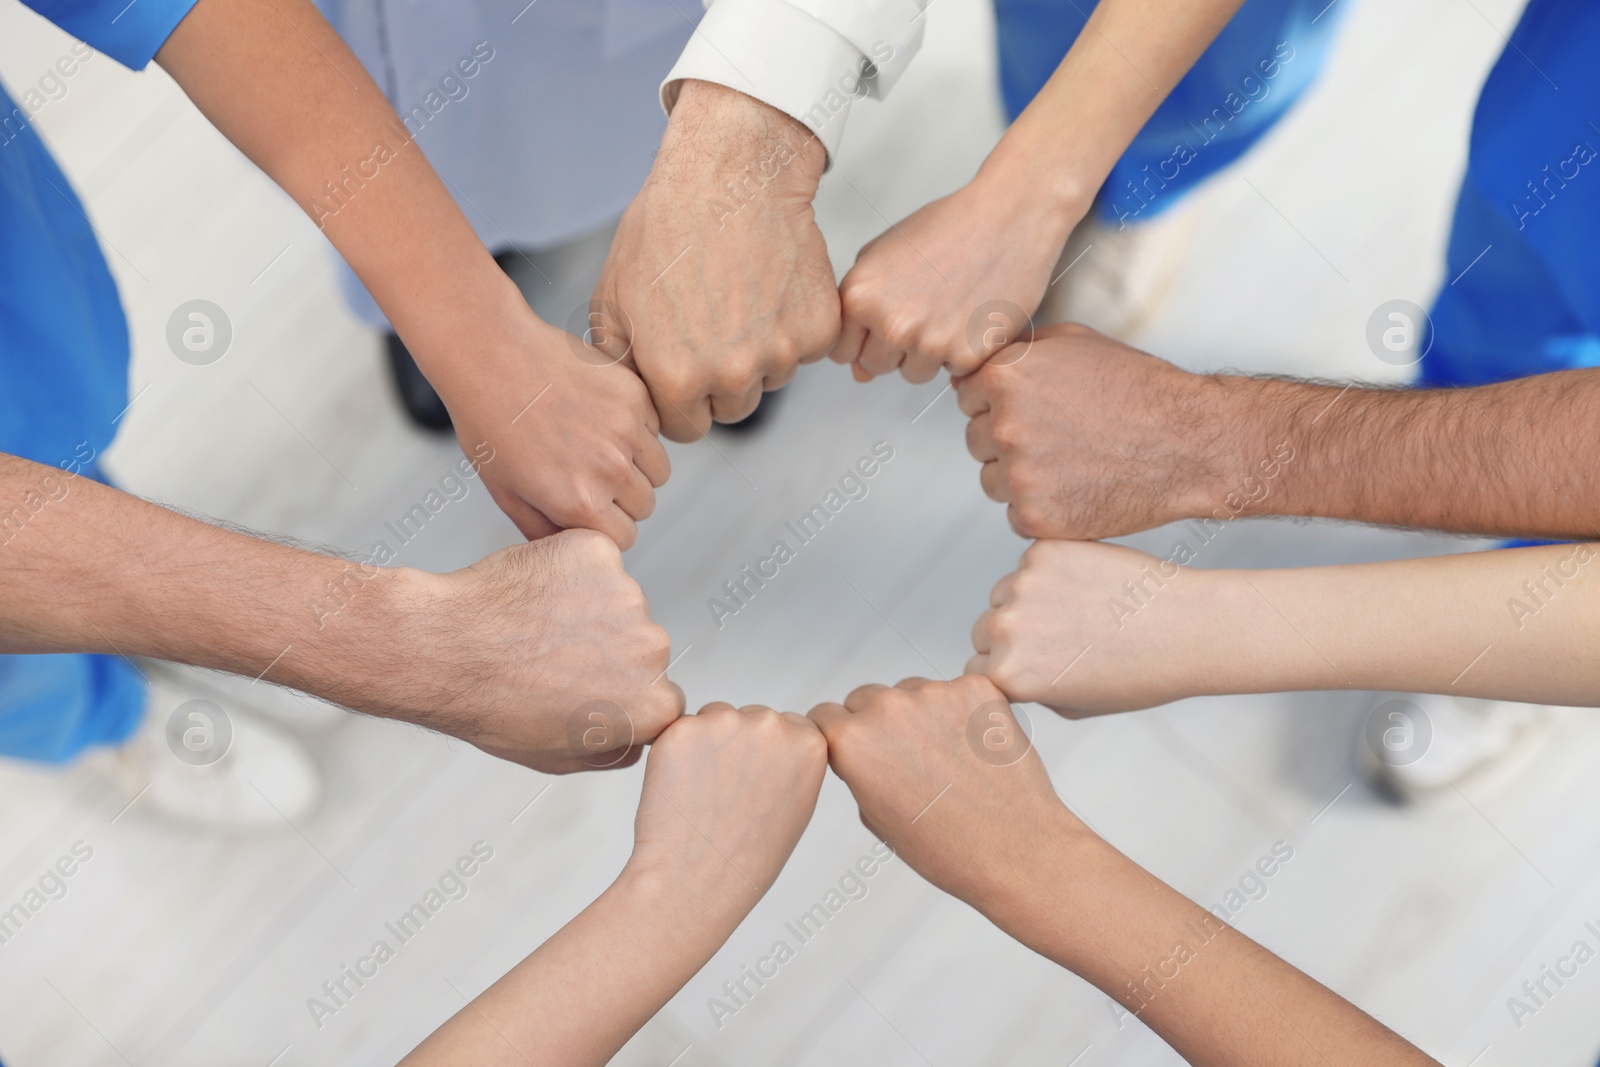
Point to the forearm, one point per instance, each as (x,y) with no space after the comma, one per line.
(87,568)
(1515,624)
(1214,995)
(1128,57)
(275,78)
(581,995)
(735,148)
(1510,459)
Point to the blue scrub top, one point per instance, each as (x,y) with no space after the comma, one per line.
(64,369)
(63,338)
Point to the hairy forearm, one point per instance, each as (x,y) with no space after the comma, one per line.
(737,148)
(581,995)
(1214,995)
(87,568)
(280,84)
(1127,58)
(1513,459)
(1515,624)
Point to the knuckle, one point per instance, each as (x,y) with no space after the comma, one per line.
(1004,431)
(813,746)
(1002,626)
(1002,671)
(737,375)
(591,545)
(902,331)
(1024,521)
(971,687)
(680,381)
(819,335)
(618,465)
(1035,555)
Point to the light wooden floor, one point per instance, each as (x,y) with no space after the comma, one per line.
(174,949)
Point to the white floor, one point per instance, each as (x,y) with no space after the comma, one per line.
(175,949)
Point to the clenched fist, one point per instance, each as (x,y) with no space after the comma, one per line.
(727,794)
(1086,628)
(950,285)
(718,283)
(944,774)
(573,438)
(543,654)
(1086,438)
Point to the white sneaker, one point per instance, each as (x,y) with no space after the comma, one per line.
(212,763)
(1114,279)
(1421,748)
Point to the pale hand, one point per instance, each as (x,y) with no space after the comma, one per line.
(950,285)
(1086,628)
(727,794)
(718,283)
(573,437)
(942,773)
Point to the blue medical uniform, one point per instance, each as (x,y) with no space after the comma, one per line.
(1522,275)
(64,372)
(1258,66)
(1522,279)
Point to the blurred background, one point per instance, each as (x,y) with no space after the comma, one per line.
(178,948)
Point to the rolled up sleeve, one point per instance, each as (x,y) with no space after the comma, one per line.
(810,59)
(129,32)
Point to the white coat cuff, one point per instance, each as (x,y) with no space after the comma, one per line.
(780,55)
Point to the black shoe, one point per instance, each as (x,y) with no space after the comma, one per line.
(756,419)
(417,394)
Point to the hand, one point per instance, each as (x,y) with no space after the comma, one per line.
(542,654)
(571,437)
(1087,628)
(952,284)
(718,282)
(1086,438)
(990,830)
(727,795)
(943,774)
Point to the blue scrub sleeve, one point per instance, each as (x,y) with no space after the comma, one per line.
(129,31)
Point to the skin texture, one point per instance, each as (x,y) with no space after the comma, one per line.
(993,832)
(726,796)
(1066,631)
(1086,438)
(953,282)
(281,85)
(718,283)
(1081,436)
(515,654)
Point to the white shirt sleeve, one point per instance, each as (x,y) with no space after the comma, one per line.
(809,59)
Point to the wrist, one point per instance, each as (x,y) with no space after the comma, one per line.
(350,610)
(1228,448)
(722,896)
(1054,197)
(1011,895)
(736,145)
(1015,204)
(1074,888)
(1264,434)
(461,344)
